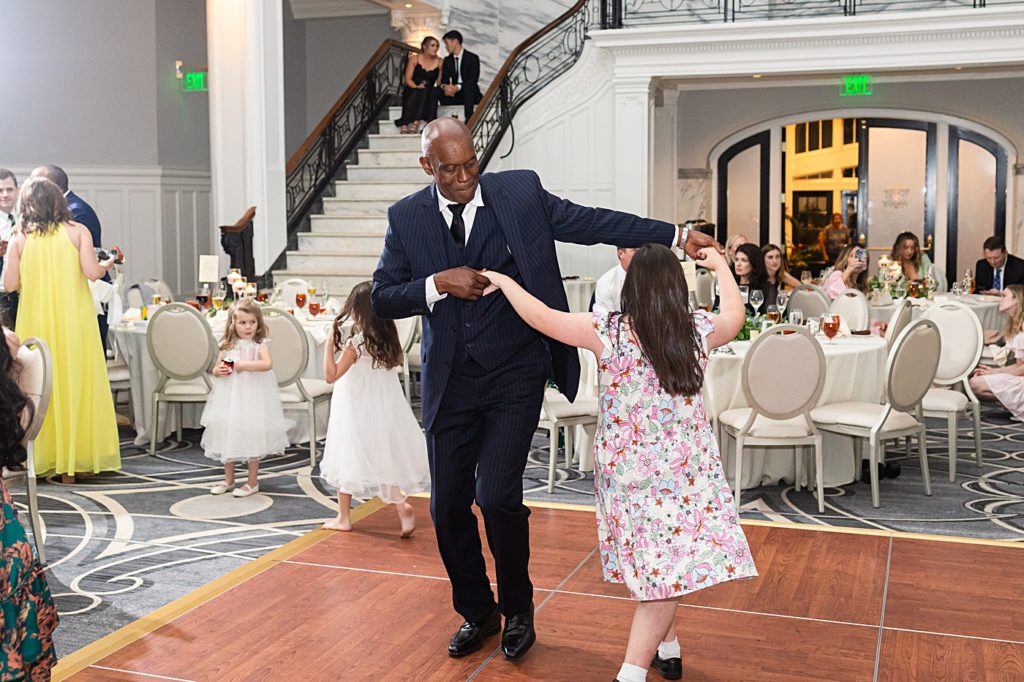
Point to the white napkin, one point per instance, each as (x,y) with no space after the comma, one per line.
(102,293)
(131,315)
(999,354)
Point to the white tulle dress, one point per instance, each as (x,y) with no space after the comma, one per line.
(374,443)
(243,415)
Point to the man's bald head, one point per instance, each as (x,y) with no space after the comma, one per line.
(450,158)
(54,174)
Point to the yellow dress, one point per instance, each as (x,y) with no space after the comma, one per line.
(80,431)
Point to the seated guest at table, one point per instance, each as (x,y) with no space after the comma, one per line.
(749,268)
(850,272)
(609,286)
(50,261)
(1006,384)
(776,273)
(422,81)
(906,251)
(29,616)
(998,269)
(682,532)
(734,243)
(374,447)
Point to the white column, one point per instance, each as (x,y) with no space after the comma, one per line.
(631,142)
(664,166)
(247,158)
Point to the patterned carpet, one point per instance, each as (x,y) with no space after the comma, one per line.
(123,544)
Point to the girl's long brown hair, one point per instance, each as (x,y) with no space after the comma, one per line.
(897,246)
(42,207)
(380,337)
(243,305)
(862,277)
(783,268)
(656,303)
(1015,320)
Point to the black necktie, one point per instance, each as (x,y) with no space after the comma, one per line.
(458,226)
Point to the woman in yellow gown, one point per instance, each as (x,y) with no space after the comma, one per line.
(51,260)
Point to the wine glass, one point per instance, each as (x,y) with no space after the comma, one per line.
(203,297)
(781,299)
(300,300)
(830,325)
(796,316)
(745,293)
(314,307)
(756,299)
(772,314)
(805,277)
(968,282)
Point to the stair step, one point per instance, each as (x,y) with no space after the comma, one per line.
(407,173)
(392,191)
(335,262)
(369,157)
(357,226)
(357,208)
(337,285)
(310,242)
(394,142)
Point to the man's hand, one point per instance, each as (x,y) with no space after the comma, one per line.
(989,292)
(450,90)
(464,283)
(696,240)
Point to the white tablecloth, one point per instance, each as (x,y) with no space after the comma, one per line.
(130,339)
(985,307)
(854,369)
(579,291)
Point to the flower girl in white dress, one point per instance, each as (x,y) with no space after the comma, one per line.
(374,443)
(243,417)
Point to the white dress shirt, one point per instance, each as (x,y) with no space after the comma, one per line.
(608,295)
(6,232)
(468,216)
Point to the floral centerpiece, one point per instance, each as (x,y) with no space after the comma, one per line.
(751,323)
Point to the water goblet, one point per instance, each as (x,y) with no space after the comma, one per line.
(805,277)
(781,299)
(796,316)
(744,293)
(756,298)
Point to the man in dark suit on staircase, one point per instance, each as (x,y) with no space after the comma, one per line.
(484,369)
(460,75)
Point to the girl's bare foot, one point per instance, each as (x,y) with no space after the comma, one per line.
(408,518)
(338,523)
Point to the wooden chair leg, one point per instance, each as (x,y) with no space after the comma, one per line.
(923,453)
(552,456)
(798,456)
(311,415)
(873,447)
(33,509)
(858,459)
(819,475)
(180,415)
(951,434)
(739,470)
(155,425)
(976,411)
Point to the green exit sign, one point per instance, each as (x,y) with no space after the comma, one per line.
(857,85)
(194,81)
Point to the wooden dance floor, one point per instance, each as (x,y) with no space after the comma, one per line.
(365,605)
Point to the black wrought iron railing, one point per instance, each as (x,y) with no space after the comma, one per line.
(537,61)
(316,162)
(632,13)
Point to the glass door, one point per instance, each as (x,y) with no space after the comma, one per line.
(743,190)
(976,207)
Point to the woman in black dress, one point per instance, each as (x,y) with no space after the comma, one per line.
(422,87)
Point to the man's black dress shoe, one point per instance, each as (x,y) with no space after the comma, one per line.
(519,636)
(470,637)
(668,668)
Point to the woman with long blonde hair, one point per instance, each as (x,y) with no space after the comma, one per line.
(51,260)
(1006,384)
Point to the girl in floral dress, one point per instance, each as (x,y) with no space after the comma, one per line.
(667,522)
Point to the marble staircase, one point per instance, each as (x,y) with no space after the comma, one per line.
(344,242)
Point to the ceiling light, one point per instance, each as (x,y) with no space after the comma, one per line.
(408,5)
(757,75)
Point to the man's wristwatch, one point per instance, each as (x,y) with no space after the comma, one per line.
(683,234)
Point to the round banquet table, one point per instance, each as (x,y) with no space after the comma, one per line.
(578,292)
(129,339)
(984,306)
(854,371)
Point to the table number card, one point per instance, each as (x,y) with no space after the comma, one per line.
(690,272)
(209,268)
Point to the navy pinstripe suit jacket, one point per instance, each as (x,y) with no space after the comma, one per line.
(531,220)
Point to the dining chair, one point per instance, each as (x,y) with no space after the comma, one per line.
(161,287)
(705,288)
(182,347)
(810,299)
(36,382)
(289,352)
(407,331)
(559,415)
(852,306)
(288,289)
(963,340)
(941,283)
(898,321)
(785,355)
(909,372)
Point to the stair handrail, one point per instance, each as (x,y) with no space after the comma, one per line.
(313,165)
(536,61)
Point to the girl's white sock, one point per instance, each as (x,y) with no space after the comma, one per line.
(667,650)
(631,673)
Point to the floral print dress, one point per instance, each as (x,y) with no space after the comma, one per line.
(667,522)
